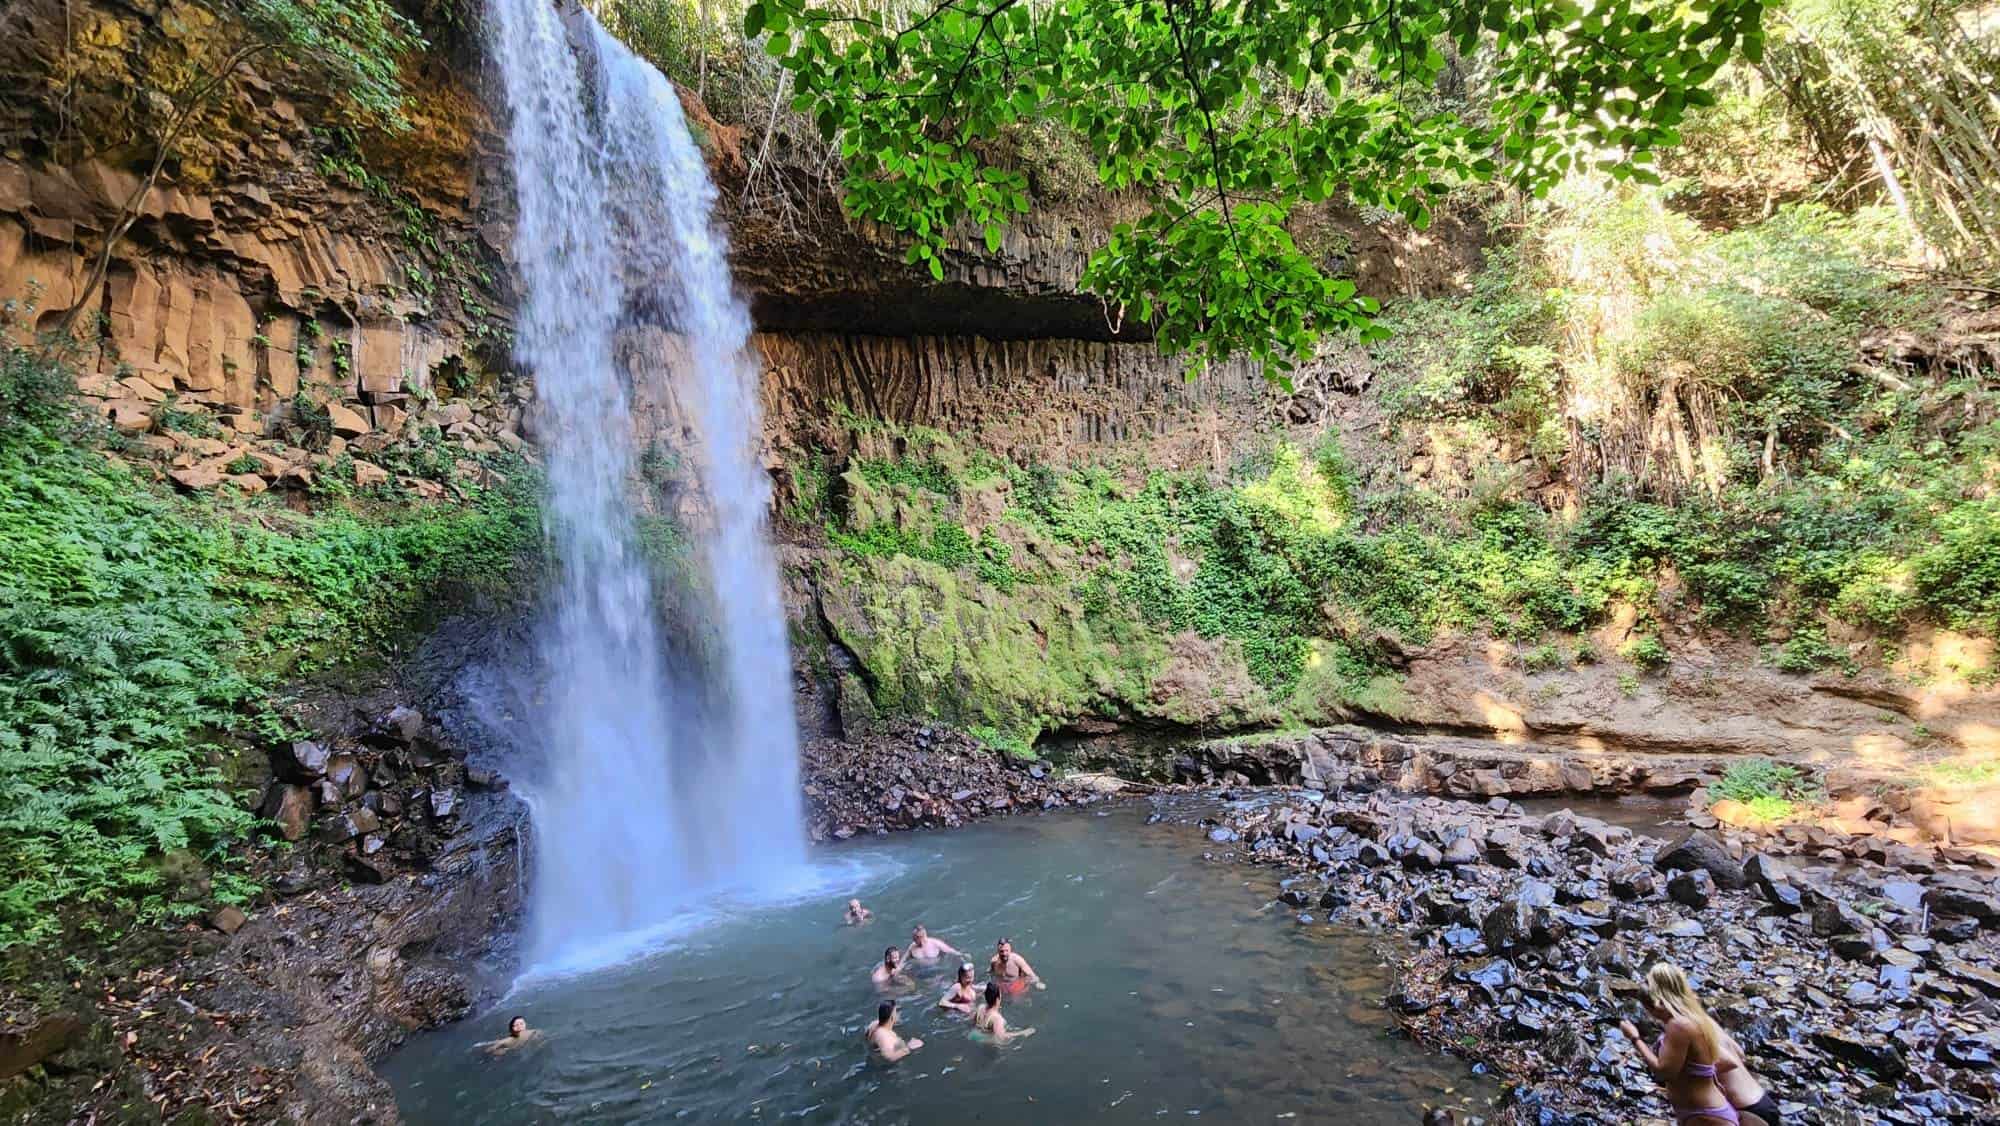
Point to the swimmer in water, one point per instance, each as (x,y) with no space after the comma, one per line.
(518,1034)
(1011,971)
(962,995)
(924,948)
(857,914)
(881,1036)
(890,972)
(987,1018)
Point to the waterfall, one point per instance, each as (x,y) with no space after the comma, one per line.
(655,783)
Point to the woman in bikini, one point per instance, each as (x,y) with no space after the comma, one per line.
(1685,1057)
(962,995)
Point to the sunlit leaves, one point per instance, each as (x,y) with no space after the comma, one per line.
(1225,117)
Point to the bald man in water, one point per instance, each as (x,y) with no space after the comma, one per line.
(924,948)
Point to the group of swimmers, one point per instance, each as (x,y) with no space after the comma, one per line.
(1008,973)
(1702,1068)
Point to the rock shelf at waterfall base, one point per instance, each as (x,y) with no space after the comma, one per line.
(1864,993)
(926,777)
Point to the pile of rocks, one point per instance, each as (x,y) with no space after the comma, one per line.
(1862,994)
(921,778)
(384,800)
(251,463)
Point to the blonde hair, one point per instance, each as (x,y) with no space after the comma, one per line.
(1667,987)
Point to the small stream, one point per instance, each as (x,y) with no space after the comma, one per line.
(1177,990)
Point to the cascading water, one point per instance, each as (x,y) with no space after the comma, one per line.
(645,796)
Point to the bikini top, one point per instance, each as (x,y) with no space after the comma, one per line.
(1689,1067)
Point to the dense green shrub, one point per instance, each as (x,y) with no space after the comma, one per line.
(139,632)
(1773,791)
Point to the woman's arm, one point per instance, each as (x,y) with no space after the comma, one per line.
(1639,1045)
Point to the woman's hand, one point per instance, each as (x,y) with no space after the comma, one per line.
(1630,1030)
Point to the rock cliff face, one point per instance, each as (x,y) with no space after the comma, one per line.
(282,269)
(327,295)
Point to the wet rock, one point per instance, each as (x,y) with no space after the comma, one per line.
(1685,928)
(1896,970)
(444,803)
(300,762)
(1691,888)
(291,808)
(1506,848)
(1423,858)
(344,772)
(1632,882)
(1695,849)
(228,919)
(1218,834)
(1372,854)
(480,778)
(1871,1053)
(1492,975)
(1972,901)
(404,725)
(1953,928)
(1855,947)
(1906,895)
(367,869)
(1461,851)
(1775,881)
(1973,1053)
(1831,917)
(1293,897)
(1984,980)
(1522,1023)
(339,829)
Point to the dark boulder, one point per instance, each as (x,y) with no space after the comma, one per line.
(1695,849)
(1463,850)
(1633,882)
(1963,898)
(1869,1053)
(290,808)
(1691,888)
(300,762)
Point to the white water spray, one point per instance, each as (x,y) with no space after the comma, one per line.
(644,798)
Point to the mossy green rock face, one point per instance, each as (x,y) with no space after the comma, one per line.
(934,641)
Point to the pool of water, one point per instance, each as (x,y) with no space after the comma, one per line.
(1176,990)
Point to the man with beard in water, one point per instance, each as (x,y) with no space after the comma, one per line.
(924,948)
(1010,971)
(890,971)
(882,1038)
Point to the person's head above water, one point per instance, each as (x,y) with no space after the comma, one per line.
(992,993)
(885,1013)
(517,1027)
(917,933)
(1004,947)
(965,973)
(891,955)
(854,905)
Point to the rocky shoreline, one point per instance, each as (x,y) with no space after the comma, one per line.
(918,776)
(1862,993)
